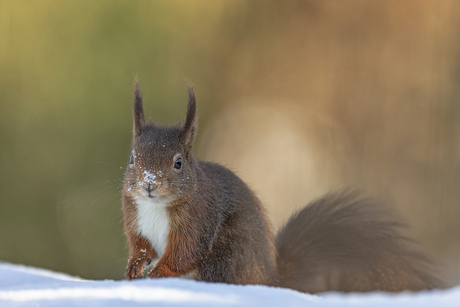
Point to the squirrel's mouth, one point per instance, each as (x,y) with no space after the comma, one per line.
(157,196)
(152,196)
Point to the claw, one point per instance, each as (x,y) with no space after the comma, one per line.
(134,270)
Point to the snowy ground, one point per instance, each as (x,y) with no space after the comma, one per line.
(27,286)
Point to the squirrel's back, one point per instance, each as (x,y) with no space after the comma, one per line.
(341,242)
(243,250)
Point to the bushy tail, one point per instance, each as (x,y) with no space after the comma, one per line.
(341,242)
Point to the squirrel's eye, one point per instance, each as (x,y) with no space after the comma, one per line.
(178,163)
(131,160)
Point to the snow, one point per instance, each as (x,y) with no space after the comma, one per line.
(149,177)
(26,286)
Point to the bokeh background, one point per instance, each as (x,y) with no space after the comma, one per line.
(297,97)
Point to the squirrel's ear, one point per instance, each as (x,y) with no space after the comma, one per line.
(189,129)
(138,109)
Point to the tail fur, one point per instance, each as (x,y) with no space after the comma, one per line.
(342,242)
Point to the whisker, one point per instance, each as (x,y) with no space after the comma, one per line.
(110,164)
(114,184)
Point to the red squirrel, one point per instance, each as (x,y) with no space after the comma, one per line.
(197,219)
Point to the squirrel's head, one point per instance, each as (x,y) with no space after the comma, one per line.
(161,166)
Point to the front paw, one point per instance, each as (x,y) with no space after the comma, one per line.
(163,271)
(135,269)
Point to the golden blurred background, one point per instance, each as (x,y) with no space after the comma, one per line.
(297,97)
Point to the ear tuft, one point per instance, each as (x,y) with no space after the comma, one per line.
(138,109)
(190,126)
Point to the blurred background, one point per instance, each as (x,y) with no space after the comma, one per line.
(297,97)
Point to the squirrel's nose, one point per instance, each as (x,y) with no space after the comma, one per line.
(150,187)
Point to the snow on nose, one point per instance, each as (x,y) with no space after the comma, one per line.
(150,182)
(149,177)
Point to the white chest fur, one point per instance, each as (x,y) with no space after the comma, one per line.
(153,223)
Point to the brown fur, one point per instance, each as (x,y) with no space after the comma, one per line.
(219,230)
(138,109)
(342,242)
